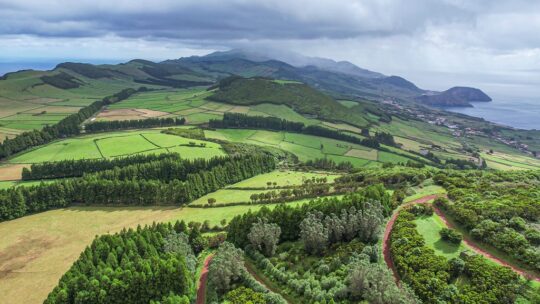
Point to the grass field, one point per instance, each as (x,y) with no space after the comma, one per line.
(308,147)
(283,178)
(503,161)
(119,144)
(36,250)
(429,227)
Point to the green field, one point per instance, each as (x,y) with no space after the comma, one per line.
(429,227)
(36,250)
(119,144)
(308,147)
(283,178)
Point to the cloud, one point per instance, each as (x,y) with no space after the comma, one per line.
(411,38)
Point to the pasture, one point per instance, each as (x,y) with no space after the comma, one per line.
(429,227)
(115,144)
(283,178)
(308,147)
(36,250)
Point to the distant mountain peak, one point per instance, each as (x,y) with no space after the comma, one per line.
(454,97)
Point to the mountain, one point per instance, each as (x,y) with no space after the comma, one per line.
(296,60)
(454,97)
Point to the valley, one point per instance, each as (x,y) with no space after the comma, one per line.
(305,185)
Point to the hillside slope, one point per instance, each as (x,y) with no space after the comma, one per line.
(300,97)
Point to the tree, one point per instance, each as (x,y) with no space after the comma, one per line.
(375,284)
(211,201)
(243,295)
(264,236)
(313,233)
(226,267)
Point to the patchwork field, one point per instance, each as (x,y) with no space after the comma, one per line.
(36,250)
(119,144)
(27,103)
(308,147)
(503,161)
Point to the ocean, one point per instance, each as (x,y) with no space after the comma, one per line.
(522,114)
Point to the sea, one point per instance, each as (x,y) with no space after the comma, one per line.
(520,113)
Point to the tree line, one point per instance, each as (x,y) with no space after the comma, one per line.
(66,127)
(154,263)
(289,218)
(104,126)
(79,167)
(94,190)
(240,120)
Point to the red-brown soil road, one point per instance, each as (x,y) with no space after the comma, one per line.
(201,292)
(466,240)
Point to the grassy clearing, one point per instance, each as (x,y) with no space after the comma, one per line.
(503,161)
(283,178)
(424,191)
(117,144)
(429,227)
(36,250)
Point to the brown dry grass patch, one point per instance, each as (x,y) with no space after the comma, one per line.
(371,154)
(11,172)
(129,114)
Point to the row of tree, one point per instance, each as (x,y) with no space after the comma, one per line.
(153,263)
(79,167)
(68,126)
(289,218)
(92,190)
(240,120)
(104,126)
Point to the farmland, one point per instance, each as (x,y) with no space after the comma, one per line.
(308,147)
(119,144)
(36,250)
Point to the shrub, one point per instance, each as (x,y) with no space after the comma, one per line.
(451,235)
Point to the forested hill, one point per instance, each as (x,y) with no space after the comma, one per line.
(298,96)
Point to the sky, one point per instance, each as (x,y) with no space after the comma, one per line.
(490,44)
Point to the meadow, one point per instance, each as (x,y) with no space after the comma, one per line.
(36,250)
(429,227)
(309,147)
(119,144)
(283,178)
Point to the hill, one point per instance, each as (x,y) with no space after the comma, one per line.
(298,96)
(455,97)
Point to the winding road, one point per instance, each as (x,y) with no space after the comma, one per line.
(466,241)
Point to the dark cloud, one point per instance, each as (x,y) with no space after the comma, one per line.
(224,20)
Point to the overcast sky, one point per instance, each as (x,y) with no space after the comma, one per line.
(492,44)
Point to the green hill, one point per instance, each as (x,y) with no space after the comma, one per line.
(298,96)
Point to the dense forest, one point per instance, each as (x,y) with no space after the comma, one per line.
(154,264)
(153,183)
(497,208)
(79,167)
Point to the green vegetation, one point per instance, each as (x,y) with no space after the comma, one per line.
(119,144)
(429,227)
(498,209)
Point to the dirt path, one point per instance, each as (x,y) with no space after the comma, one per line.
(466,240)
(390,225)
(201,292)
